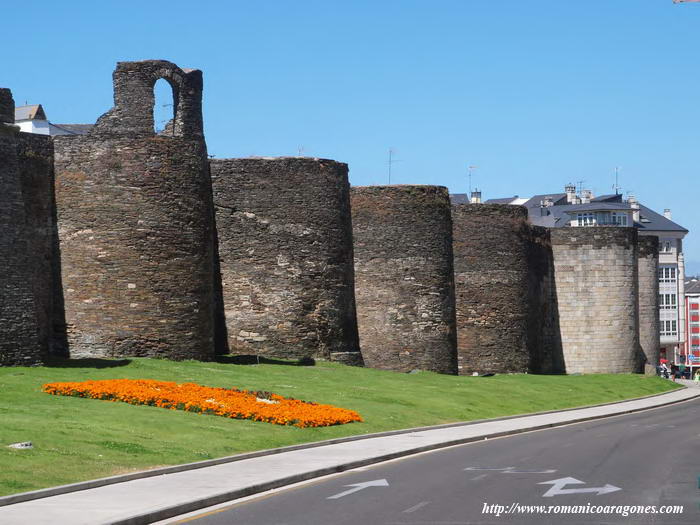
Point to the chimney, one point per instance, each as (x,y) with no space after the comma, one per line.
(667,213)
(634,204)
(570,190)
(475,197)
(586,196)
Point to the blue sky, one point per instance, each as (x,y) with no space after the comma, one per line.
(534,93)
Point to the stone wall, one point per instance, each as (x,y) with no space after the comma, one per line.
(404,277)
(135,222)
(648,259)
(285,250)
(595,271)
(492,280)
(24,288)
(35,155)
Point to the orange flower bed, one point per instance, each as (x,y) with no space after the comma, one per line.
(236,404)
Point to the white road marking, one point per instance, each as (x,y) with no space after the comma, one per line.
(514,470)
(558,489)
(479,477)
(359,486)
(416,507)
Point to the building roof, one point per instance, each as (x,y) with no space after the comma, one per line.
(459,198)
(33,112)
(70,129)
(692,287)
(556,216)
(537,200)
(506,200)
(613,197)
(652,221)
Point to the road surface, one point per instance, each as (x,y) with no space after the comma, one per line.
(589,473)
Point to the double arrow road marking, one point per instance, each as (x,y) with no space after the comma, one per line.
(558,489)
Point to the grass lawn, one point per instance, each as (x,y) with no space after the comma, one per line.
(78,439)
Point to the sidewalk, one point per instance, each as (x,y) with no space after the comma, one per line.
(159,497)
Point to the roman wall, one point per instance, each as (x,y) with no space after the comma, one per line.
(286,257)
(25,230)
(595,273)
(648,261)
(404,284)
(135,223)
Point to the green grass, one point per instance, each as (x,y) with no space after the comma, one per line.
(78,439)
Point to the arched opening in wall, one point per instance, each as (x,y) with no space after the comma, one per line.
(164,108)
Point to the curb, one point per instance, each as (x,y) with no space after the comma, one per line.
(220,498)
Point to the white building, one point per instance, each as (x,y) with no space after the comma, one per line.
(32,119)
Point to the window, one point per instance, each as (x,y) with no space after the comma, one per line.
(667,301)
(665,245)
(619,218)
(667,274)
(668,328)
(585,219)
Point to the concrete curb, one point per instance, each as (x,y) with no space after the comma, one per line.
(101,482)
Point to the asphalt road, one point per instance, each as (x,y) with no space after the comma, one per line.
(646,459)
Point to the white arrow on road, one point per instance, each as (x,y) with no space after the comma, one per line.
(558,484)
(360,486)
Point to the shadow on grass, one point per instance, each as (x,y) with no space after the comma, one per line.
(87,362)
(255,360)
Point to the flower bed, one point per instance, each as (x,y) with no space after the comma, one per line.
(237,404)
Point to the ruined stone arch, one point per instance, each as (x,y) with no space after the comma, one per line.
(134,98)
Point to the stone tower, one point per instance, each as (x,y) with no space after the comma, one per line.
(649,300)
(135,218)
(595,270)
(285,249)
(26,234)
(499,301)
(404,277)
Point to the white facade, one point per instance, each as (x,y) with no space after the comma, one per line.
(40,127)
(672,312)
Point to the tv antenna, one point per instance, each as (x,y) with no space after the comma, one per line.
(392,152)
(617,187)
(580,186)
(470,171)
(301,149)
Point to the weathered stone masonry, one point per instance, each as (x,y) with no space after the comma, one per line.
(135,221)
(502,290)
(596,275)
(25,241)
(648,259)
(285,248)
(404,277)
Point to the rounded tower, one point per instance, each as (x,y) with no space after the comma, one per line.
(135,219)
(649,330)
(404,277)
(285,252)
(492,245)
(595,272)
